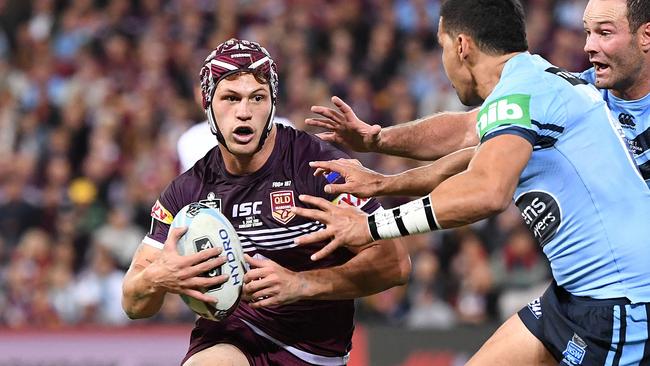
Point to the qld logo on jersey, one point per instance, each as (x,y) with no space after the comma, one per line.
(281,204)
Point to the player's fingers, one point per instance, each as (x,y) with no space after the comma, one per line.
(321,122)
(203,255)
(252,287)
(264,303)
(207,282)
(329,165)
(173,237)
(341,188)
(343,107)
(256,274)
(199,295)
(255,262)
(335,116)
(327,250)
(309,213)
(328,136)
(321,235)
(317,202)
(206,266)
(320,171)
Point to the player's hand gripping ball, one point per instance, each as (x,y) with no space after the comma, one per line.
(208,228)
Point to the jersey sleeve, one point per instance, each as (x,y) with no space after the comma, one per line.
(323,151)
(533,111)
(162,215)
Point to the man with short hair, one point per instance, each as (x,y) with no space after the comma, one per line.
(618,45)
(302,313)
(548,142)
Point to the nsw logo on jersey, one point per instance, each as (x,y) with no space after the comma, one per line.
(161,214)
(281,204)
(542,213)
(575,351)
(512,109)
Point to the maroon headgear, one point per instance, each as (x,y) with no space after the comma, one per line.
(231,57)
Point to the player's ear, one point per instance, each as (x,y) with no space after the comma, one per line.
(464,46)
(644,37)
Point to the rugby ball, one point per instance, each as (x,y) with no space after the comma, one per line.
(208,228)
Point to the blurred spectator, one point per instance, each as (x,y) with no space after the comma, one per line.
(471,266)
(428,309)
(520,272)
(119,236)
(99,290)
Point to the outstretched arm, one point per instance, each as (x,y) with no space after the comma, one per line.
(363,182)
(372,270)
(428,138)
(484,189)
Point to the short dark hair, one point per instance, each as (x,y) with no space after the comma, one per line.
(638,13)
(497,26)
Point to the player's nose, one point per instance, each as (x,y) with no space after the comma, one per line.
(243,110)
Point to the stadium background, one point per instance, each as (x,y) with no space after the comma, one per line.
(93,97)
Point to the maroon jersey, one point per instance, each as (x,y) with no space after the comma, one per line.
(258,206)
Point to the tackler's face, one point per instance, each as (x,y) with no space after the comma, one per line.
(241,107)
(456,68)
(612,47)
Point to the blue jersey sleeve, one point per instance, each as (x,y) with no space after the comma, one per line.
(533,112)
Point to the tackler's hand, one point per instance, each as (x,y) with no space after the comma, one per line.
(345,127)
(359,180)
(346,225)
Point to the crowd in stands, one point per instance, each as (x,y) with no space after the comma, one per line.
(94,95)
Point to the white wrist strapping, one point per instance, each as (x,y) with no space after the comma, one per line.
(414,217)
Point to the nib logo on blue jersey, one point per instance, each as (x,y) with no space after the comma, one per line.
(575,351)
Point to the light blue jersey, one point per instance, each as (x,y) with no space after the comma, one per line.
(634,117)
(581,193)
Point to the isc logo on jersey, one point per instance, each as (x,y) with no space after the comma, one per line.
(208,228)
(512,109)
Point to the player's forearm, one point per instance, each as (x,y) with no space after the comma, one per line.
(431,137)
(372,270)
(468,197)
(422,180)
(140,298)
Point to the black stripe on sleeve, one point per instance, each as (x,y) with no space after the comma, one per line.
(372,224)
(548,126)
(400,222)
(428,210)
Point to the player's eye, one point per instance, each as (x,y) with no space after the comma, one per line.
(230,98)
(259,98)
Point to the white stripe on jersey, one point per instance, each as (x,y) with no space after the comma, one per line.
(289,228)
(283,240)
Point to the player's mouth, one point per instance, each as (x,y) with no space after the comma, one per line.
(600,68)
(243,134)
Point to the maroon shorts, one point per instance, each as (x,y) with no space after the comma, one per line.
(258,350)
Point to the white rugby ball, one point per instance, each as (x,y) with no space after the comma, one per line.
(208,228)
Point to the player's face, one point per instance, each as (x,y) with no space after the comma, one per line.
(613,49)
(457,70)
(241,107)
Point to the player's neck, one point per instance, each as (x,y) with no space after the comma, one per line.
(638,89)
(244,165)
(487,72)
